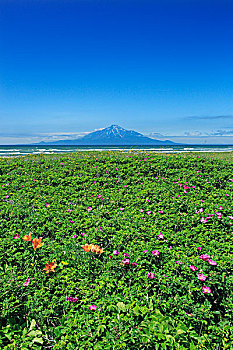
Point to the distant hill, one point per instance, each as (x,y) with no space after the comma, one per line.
(113,135)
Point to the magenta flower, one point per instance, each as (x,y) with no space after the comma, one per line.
(198,248)
(206,290)
(148,212)
(89,208)
(27,282)
(121,209)
(115,252)
(204,257)
(47,205)
(155,252)
(151,275)
(74,236)
(126,261)
(73,300)
(145,251)
(189,314)
(16,236)
(6,196)
(201,277)
(160,235)
(101,228)
(141,210)
(161,211)
(212,262)
(220,207)
(133,263)
(127,255)
(193,268)
(69,210)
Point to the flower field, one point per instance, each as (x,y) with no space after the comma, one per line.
(113,250)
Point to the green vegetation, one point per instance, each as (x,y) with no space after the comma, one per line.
(164,278)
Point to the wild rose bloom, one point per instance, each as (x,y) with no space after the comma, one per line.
(92,307)
(121,209)
(74,236)
(204,257)
(145,251)
(16,236)
(161,211)
(155,252)
(126,261)
(220,207)
(115,252)
(160,235)
(89,208)
(198,248)
(201,277)
(69,210)
(141,210)
(25,284)
(212,262)
(193,268)
(127,255)
(151,275)
(133,263)
(148,212)
(206,290)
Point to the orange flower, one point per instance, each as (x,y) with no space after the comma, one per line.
(50,267)
(86,247)
(92,247)
(36,242)
(99,250)
(28,237)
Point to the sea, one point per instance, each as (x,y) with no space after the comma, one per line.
(22,150)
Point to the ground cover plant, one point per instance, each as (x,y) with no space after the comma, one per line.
(114,250)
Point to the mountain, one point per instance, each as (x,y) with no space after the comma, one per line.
(114,135)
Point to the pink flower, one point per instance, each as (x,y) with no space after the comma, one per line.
(121,209)
(200,211)
(47,205)
(206,290)
(204,257)
(160,235)
(115,252)
(227,194)
(151,275)
(203,220)
(74,236)
(155,252)
(125,186)
(220,207)
(178,262)
(101,228)
(73,300)
(186,187)
(92,307)
(126,261)
(89,208)
(69,210)
(141,210)
(6,196)
(161,211)
(16,236)
(201,277)
(148,212)
(193,268)
(189,314)
(198,248)
(212,262)
(133,263)
(127,255)
(94,182)
(27,282)
(178,195)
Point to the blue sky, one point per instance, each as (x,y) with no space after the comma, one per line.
(162,68)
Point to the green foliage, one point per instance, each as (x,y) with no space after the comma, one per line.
(153,215)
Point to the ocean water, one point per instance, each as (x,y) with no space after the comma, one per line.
(15,151)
